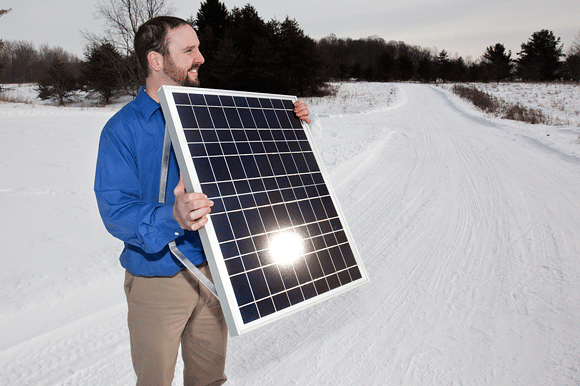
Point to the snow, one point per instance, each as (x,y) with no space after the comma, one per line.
(468,226)
(558,101)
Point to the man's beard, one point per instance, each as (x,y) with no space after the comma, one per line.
(178,76)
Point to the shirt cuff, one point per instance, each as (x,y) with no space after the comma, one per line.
(168,226)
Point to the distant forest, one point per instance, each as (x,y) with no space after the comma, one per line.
(245,52)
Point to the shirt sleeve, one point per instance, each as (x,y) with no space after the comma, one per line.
(126,215)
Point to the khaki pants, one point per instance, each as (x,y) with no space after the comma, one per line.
(165,312)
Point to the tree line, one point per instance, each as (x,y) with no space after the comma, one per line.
(244,52)
(374,59)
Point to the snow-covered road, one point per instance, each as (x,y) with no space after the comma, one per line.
(468,229)
(469,234)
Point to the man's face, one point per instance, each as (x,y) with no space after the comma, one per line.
(184,59)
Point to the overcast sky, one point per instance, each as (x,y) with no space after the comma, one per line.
(460,27)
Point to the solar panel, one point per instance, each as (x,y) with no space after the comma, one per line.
(276,241)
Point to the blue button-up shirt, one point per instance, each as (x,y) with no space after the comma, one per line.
(127,191)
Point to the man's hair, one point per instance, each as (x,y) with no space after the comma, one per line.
(152,36)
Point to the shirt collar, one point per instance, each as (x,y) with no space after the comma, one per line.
(146,104)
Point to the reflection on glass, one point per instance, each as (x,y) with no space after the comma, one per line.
(286,247)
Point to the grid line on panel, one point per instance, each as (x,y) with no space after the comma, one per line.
(257,165)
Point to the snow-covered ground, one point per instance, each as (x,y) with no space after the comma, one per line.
(558,102)
(468,226)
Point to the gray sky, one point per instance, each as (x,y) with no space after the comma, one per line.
(461,27)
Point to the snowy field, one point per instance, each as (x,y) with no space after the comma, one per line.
(559,102)
(468,226)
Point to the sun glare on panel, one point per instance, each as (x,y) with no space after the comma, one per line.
(286,247)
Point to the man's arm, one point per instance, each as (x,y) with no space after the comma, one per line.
(124,208)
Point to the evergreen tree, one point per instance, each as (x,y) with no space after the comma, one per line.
(457,70)
(572,67)
(405,67)
(212,16)
(59,82)
(252,41)
(498,62)
(426,69)
(224,68)
(572,64)
(539,59)
(301,70)
(443,65)
(243,52)
(211,23)
(102,70)
(387,65)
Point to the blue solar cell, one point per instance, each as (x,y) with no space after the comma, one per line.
(266,307)
(203,117)
(274,279)
(197,150)
(265,103)
(251,261)
(242,186)
(193,136)
(243,148)
(222,226)
(271,119)
(277,104)
(197,100)
(186,116)
(227,100)
(230,249)
(212,149)
(181,99)
(208,135)
(231,203)
(246,118)
(212,100)
(234,266)
(235,167)
(260,240)
(247,200)
(242,289)
(259,118)
(258,283)
(295,295)
(218,117)
(225,135)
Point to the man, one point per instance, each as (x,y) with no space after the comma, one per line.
(167,306)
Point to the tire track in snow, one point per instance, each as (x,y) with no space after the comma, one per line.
(435,208)
(82,352)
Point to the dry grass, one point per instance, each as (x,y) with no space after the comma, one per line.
(498,107)
(4,97)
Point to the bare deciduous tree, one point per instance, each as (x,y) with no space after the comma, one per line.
(575,48)
(122,19)
(2,63)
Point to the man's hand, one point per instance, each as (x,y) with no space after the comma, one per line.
(190,209)
(302,111)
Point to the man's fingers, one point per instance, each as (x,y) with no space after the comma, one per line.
(301,111)
(190,209)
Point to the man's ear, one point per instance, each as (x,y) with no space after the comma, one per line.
(155,60)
